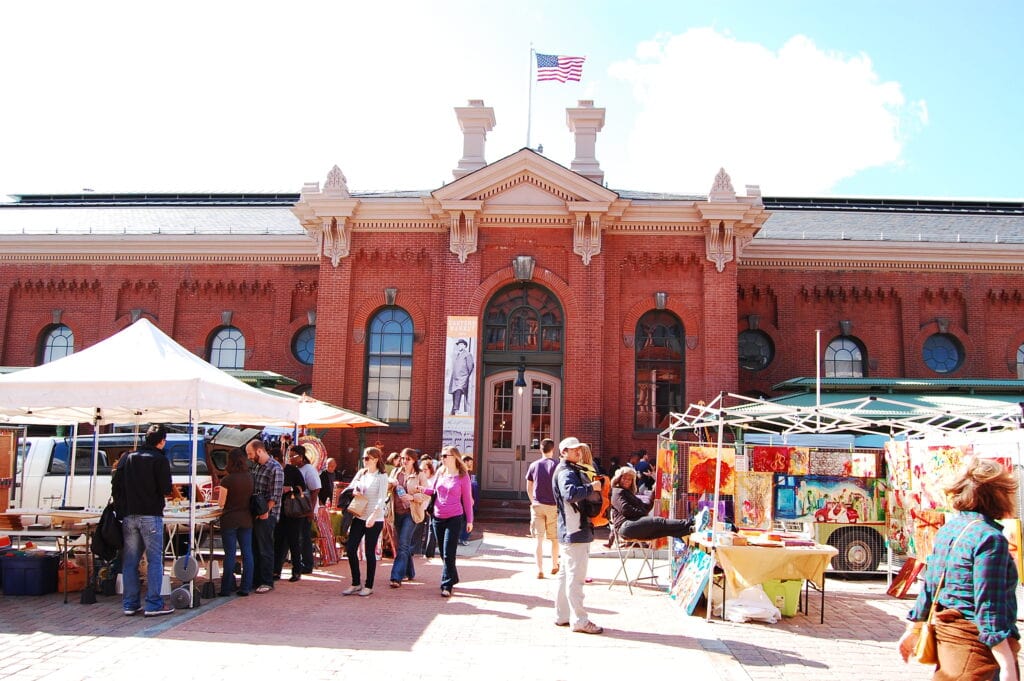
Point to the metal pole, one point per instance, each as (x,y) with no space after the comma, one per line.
(529,98)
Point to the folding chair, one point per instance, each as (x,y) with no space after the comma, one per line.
(635,550)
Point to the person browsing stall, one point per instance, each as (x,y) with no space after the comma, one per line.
(268,480)
(236,523)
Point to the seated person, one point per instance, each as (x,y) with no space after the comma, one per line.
(629,512)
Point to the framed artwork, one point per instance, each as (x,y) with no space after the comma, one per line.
(799,459)
(829,462)
(932,469)
(926,525)
(753,500)
(905,578)
(703,462)
(770,459)
(691,579)
(897,460)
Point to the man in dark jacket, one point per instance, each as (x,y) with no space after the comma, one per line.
(140,482)
(575,533)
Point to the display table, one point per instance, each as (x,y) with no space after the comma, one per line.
(747,566)
(176,521)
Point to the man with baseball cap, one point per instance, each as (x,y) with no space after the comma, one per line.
(575,533)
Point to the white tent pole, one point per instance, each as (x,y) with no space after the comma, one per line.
(714,517)
(817,372)
(95,458)
(194,423)
(69,490)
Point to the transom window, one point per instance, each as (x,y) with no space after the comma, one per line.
(389,366)
(304,343)
(844,358)
(58,342)
(1020,362)
(756,350)
(523,318)
(658,347)
(942,353)
(227,349)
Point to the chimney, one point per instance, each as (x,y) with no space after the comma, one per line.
(476,120)
(585,122)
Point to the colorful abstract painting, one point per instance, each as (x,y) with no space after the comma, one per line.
(864,465)
(933,468)
(905,578)
(666,478)
(799,460)
(926,526)
(1012,532)
(703,463)
(770,459)
(753,500)
(829,462)
(899,522)
(828,499)
(691,579)
(897,464)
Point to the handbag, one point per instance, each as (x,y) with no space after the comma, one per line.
(257,505)
(926,650)
(296,504)
(358,506)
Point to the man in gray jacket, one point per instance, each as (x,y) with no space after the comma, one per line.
(575,532)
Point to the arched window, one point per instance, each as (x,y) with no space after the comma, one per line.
(58,342)
(523,318)
(658,347)
(844,358)
(304,343)
(227,349)
(942,353)
(756,350)
(1020,362)
(389,366)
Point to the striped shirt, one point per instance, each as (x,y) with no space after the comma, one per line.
(980,580)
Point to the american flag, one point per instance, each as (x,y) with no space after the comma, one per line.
(559,67)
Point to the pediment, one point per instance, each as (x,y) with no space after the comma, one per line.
(524,178)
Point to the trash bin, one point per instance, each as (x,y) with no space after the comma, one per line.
(785,594)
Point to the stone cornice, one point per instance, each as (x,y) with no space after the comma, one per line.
(268,248)
(889,255)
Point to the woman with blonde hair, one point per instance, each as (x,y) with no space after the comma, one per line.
(371,484)
(453,511)
(405,480)
(972,578)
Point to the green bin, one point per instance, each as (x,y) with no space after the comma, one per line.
(785,594)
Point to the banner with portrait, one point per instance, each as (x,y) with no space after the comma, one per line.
(460,384)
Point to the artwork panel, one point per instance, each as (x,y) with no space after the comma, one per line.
(799,458)
(897,464)
(933,468)
(1012,532)
(770,459)
(702,470)
(834,499)
(829,462)
(926,525)
(753,500)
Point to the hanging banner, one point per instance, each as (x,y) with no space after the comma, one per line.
(461,344)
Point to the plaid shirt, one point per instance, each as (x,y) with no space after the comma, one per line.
(981,578)
(268,481)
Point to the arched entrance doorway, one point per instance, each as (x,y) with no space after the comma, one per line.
(522,344)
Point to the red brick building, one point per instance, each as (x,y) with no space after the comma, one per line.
(609,308)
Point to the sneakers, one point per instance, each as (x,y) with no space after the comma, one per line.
(129,612)
(446,593)
(264,588)
(352,590)
(365,592)
(166,610)
(588,628)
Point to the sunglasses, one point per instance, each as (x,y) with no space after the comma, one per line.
(369,458)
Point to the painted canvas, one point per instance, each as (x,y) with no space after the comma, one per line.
(799,459)
(926,525)
(897,464)
(905,578)
(703,461)
(829,462)
(770,459)
(933,467)
(754,500)
(899,522)
(829,499)
(691,579)
(666,478)
(864,465)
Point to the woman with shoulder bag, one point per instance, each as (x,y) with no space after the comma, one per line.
(407,492)
(453,511)
(971,580)
(370,494)
(236,522)
(289,541)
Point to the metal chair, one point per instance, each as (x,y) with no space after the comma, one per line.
(641,553)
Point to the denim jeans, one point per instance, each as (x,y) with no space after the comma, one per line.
(232,537)
(263,550)
(405,528)
(143,533)
(358,533)
(447,531)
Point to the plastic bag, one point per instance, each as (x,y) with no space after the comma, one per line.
(752,604)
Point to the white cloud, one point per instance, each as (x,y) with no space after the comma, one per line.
(795,121)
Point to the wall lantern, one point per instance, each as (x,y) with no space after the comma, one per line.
(522,265)
(520,383)
(390,295)
(660,300)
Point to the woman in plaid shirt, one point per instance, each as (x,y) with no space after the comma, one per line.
(975,620)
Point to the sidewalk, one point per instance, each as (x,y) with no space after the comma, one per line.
(498,625)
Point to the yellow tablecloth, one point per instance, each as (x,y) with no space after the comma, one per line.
(747,566)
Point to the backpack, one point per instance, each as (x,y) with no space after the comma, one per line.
(108,538)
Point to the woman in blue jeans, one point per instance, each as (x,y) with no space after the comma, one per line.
(406,481)
(236,522)
(453,512)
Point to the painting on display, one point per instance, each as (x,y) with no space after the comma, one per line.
(864,465)
(753,500)
(666,478)
(799,459)
(933,467)
(829,462)
(829,499)
(926,526)
(905,578)
(770,459)
(703,462)
(691,578)
(897,464)
(900,503)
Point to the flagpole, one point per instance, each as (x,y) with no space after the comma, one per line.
(529,98)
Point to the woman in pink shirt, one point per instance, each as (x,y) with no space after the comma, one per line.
(453,511)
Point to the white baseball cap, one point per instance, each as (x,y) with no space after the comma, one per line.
(568,443)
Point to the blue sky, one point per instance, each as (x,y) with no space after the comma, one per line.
(801,98)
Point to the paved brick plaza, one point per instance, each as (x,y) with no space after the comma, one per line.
(498,626)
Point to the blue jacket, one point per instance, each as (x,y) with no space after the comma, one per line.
(569,489)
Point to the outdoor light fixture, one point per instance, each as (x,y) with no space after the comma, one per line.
(522,266)
(520,383)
